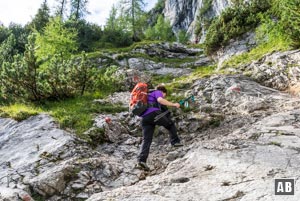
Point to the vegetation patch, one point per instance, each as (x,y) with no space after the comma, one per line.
(78,113)
(270,37)
(233,22)
(19,111)
(96,136)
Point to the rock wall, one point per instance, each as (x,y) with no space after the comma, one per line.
(183,14)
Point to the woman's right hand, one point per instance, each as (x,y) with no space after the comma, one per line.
(177,105)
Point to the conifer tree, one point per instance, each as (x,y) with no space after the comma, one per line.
(61,8)
(56,39)
(133,11)
(78,9)
(42,17)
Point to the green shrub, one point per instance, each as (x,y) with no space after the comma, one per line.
(233,22)
(288,13)
(183,37)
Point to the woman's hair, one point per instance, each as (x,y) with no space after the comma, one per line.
(161,88)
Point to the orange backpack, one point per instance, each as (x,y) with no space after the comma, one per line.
(139,99)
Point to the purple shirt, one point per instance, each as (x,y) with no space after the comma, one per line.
(152,98)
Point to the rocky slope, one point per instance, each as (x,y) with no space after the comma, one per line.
(239,135)
(256,142)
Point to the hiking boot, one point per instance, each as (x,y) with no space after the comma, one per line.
(177,144)
(143,166)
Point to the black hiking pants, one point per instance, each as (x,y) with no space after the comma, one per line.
(148,124)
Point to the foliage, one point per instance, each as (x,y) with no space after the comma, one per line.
(233,22)
(160,79)
(4,33)
(133,11)
(107,80)
(41,19)
(271,45)
(160,5)
(112,23)
(19,111)
(88,34)
(203,71)
(74,113)
(56,40)
(24,78)
(7,50)
(19,78)
(78,9)
(271,36)
(288,12)
(78,113)
(203,19)
(21,34)
(154,13)
(115,32)
(56,79)
(207,5)
(12,42)
(67,78)
(84,74)
(96,136)
(161,31)
(183,37)
(60,8)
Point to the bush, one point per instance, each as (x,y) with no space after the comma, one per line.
(234,22)
(288,13)
(183,37)
(161,31)
(24,77)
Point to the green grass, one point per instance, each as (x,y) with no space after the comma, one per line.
(176,62)
(19,111)
(131,47)
(177,86)
(185,82)
(257,53)
(159,79)
(76,113)
(204,71)
(126,52)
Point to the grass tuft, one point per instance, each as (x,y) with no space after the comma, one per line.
(19,111)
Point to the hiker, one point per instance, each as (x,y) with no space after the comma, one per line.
(158,115)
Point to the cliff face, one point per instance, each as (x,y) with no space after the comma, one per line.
(183,13)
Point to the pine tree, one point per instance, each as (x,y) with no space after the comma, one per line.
(133,11)
(19,79)
(162,30)
(56,39)
(78,9)
(111,23)
(61,8)
(41,19)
